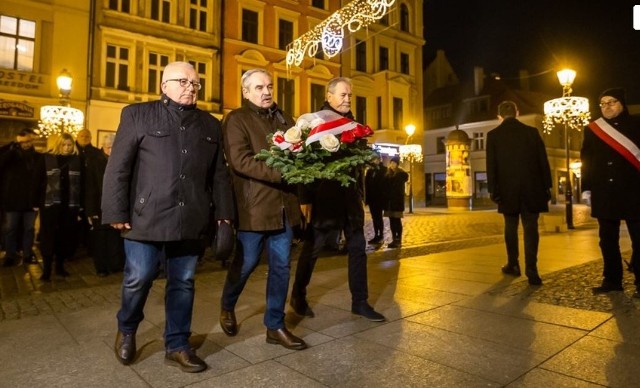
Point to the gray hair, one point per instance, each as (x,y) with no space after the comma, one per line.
(331,85)
(244,80)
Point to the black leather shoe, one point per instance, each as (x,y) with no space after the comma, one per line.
(285,338)
(509,269)
(607,287)
(125,347)
(375,240)
(395,244)
(186,360)
(228,322)
(368,312)
(301,307)
(535,280)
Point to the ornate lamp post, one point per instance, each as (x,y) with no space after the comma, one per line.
(572,112)
(57,119)
(412,153)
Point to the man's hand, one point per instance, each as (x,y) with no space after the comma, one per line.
(121,225)
(306,213)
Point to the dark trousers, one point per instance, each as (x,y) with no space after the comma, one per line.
(609,233)
(531,238)
(357,262)
(395,224)
(376,217)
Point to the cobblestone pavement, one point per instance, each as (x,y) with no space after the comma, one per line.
(426,231)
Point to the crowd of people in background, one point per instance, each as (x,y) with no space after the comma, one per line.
(145,199)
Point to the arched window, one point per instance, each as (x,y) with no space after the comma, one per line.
(404,18)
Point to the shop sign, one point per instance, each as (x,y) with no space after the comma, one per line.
(21,80)
(15,109)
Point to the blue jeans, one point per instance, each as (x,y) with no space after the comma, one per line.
(11,228)
(250,244)
(143,261)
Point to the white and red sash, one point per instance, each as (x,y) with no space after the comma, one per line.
(623,145)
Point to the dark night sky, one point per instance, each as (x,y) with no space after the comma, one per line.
(594,37)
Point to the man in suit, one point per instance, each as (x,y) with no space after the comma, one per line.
(611,182)
(519,180)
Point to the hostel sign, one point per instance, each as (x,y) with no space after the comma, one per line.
(16,109)
(21,80)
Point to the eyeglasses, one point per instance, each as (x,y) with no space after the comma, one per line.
(185,83)
(608,103)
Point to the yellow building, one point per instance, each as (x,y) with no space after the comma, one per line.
(38,40)
(115,51)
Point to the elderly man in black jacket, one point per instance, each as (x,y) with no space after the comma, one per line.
(165,172)
(519,180)
(611,182)
(328,206)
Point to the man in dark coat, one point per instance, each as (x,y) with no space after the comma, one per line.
(395,181)
(267,207)
(20,184)
(327,206)
(611,182)
(375,198)
(519,179)
(165,172)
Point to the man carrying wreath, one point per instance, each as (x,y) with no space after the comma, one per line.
(328,206)
(267,207)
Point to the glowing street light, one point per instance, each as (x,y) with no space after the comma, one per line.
(57,119)
(412,153)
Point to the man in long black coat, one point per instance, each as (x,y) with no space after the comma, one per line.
(519,180)
(611,181)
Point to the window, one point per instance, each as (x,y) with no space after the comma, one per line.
(384,58)
(286,94)
(481,185)
(385,20)
(17,43)
(478,141)
(157,62)
(120,5)
(404,63)
(249,26)
(198,15)
(317,4)
(477,105)
(317,96)
(439,185)
(117,67)
(379,111)
(285,33)
(397,113)
(201,69)
(361,55)
(404,18)
(161,10)
(361,110)
(440,147)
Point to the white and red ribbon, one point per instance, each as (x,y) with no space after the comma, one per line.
(616,140)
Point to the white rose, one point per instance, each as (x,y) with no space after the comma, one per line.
(293,135)
(316,122)
(330,143)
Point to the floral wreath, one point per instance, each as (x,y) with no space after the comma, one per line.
(321,145)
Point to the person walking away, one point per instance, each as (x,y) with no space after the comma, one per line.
(374,194)
(327,206)
(165,172)
(610,158)
(267,208)
(395,180)
(519,180)
(60,205)
(20,184)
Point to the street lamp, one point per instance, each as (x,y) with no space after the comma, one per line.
(572,112)
(412,153)
(57,119)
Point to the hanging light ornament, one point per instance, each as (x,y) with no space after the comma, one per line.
(329,34)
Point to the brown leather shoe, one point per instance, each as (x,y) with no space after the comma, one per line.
(186,360)
(125,347)
(228,322)
(285,338)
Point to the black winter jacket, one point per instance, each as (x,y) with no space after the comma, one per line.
(166,172)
